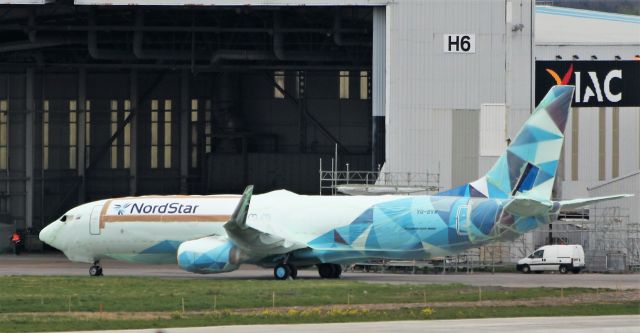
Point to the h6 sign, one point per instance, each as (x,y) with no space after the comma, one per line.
(459,43)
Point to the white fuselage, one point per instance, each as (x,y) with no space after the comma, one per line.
(149,229)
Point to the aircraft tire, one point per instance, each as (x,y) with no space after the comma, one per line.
(95,270)
(282,272)
(294,271)
(336,271)
(325,271)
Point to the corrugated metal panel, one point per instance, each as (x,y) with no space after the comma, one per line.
(465,146)
(628,184)
(425,84)
(588,145)
(492,129)
(584,52)
(629,140)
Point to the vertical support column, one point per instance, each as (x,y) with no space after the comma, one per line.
(602,139)
(615,143)
(575,143)
(30,109)
(378,76)
(133,143)
(81,134)
(184,131)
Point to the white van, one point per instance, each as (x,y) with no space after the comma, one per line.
(562,258)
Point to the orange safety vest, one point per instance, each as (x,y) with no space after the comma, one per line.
(15,237)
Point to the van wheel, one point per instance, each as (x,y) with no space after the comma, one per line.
(526,269)
(563,269)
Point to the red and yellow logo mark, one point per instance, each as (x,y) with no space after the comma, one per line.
(565,79)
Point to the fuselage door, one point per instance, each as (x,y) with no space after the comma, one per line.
(462,219)
(94,221)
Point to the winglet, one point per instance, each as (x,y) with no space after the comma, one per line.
(239,217)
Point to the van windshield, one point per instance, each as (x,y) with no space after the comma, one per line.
(537,254)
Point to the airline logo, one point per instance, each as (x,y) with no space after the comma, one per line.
(169,209)
(598,83)
(144,208)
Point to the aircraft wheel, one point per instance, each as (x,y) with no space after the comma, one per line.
(282,271)
(325,271)
(294,271)
(95,270)
(336,271)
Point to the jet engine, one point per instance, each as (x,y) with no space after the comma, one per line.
(209,255)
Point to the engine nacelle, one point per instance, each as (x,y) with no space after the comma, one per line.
(209,255)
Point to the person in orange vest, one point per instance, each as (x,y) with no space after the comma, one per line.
(17,242)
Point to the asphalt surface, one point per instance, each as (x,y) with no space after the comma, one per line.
(606,324)
(30,264)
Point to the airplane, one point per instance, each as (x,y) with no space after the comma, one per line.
(286,231)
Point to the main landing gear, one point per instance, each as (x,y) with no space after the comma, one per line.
(96,269)
(329,271)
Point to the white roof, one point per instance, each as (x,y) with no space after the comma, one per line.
(568,26)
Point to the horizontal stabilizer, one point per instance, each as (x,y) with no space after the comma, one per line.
(528,207)
(577,203)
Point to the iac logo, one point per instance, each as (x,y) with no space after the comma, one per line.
(589,85)
(165,208)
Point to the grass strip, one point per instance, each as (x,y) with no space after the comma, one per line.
(147,294)
(11,323)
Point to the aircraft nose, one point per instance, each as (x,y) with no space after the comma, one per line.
(48,234)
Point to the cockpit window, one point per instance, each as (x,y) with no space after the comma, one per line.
(66,218)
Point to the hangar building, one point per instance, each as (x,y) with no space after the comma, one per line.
(114,98)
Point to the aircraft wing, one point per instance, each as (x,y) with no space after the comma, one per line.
(252,239)
(577,203)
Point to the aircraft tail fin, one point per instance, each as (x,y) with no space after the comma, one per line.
(530,162)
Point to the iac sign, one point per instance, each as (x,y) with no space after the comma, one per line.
(459,43)
(592,86)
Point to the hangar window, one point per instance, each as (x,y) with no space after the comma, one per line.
(167,133)
(87,132)
(207,126)
(126,154)
(45,134)
(73,133)
(154,134)
(3,135)
(278,77)
(344,84)
(114,128)
(365,85)
(194,133)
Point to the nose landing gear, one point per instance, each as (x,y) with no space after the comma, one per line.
(96,269)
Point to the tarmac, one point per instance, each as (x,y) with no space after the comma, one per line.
(600,324)
(57,264)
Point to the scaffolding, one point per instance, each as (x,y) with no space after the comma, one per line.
(335,181)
